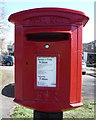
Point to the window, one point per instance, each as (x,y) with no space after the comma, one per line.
(95,44)
(92,46)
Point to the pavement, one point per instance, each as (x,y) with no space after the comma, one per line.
(90,71)
(6,87)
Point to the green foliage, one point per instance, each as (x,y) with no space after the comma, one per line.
(89,65)
(86,111)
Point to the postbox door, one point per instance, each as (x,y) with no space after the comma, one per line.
(46,57)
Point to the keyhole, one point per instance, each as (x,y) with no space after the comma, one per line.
(47,46)
(26,63)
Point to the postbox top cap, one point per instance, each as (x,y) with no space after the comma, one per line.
(36,12)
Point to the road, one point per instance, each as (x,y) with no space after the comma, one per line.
(7,103)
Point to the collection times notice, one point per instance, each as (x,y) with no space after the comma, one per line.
(46,71)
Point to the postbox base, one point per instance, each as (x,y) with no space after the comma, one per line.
(48,106)
(38,115)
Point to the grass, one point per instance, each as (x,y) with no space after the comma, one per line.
(86,111)
(22,112)
(2,77)
(0,74)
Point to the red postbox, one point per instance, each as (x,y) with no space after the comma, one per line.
(48,56)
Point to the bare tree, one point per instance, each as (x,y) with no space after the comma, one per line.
(1,18)
(3,28)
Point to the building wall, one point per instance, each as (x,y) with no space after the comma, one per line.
(89,52)
(89,47)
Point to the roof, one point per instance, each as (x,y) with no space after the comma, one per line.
(73,16)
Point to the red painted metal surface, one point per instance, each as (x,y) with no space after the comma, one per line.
(61,30)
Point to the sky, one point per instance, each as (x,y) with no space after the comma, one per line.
(86,6)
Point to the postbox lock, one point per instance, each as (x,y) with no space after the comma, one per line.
(47,46)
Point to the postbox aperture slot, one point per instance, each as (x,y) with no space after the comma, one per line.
(48,37)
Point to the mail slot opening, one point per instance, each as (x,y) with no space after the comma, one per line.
(48,36)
